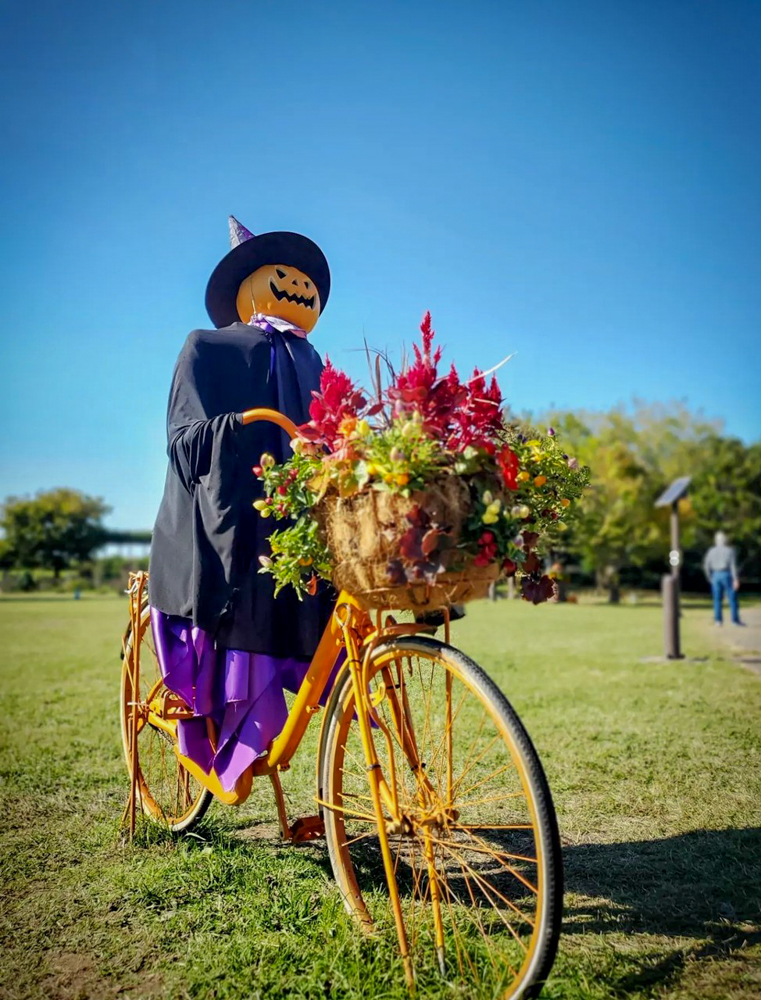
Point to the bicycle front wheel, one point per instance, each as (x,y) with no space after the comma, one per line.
(471,830)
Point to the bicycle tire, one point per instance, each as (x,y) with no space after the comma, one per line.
(331,773)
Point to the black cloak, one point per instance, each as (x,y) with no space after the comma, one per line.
(207,537)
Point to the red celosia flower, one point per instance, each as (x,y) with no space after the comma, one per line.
(478,417)
(337,399)
(418,388)
(509,466)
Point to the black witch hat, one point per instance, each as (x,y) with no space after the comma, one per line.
(250,252)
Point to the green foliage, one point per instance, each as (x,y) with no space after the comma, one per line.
(298,553)
(726,494)
(521,490)
(654,770)
(402,458)
(634,454)
(54,529)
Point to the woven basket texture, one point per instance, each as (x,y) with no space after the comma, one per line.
(363,533)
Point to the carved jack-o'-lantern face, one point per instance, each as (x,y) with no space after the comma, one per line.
(282,291)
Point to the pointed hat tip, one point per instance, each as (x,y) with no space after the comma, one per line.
(238,232)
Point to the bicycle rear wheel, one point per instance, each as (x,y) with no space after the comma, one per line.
(166,792)
(475,846)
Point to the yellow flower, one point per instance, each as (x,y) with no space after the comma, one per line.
(371,469)
(490,517)
(266,511)
(260,505)
(523,477)
(540,481)
(402,479)
(363,428)
(267,460)
(487,497)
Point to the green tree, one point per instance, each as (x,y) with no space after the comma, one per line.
(615,525)
(726,494)
(54,529)
(634,453)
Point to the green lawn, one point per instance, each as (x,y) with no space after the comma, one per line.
(655,770)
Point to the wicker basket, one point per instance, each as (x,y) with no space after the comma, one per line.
(363,533)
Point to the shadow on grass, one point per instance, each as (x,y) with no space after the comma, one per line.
(701,885)
(697,892)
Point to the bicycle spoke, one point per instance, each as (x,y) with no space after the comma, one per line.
(463,845)
(165,790)
(485,887)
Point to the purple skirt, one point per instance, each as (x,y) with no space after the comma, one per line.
(241,692)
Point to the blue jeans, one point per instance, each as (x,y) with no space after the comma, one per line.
(721,582)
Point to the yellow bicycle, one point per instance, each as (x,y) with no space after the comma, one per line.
(438,818)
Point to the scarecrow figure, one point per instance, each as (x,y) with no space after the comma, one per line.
(225,646)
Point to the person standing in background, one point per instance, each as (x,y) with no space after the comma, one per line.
(720,566)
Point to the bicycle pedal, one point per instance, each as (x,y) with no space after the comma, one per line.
(307,828)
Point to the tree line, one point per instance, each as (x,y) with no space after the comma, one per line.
(617,536)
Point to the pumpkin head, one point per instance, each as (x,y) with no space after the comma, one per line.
(282,291)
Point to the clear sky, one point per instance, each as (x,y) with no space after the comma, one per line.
(578,182)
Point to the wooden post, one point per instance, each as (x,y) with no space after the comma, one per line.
(670,593)
(675,557)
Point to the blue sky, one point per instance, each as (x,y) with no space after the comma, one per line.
(576,182)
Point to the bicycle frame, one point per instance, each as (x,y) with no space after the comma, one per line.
(350,628)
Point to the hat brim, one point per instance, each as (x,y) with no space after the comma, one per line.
(291,249)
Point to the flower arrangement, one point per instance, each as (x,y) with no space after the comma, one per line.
(452,487)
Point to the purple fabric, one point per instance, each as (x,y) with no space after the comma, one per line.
(238,232)
(242,693)
(270,324)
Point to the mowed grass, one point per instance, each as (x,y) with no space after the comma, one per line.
(654,768)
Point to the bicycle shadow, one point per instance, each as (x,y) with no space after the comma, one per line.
(701,885)
(697,892)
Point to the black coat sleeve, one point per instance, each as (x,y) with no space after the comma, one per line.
(190,448)
(193,427)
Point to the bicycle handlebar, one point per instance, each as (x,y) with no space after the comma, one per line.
(262,413)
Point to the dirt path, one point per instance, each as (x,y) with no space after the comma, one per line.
(744,642)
